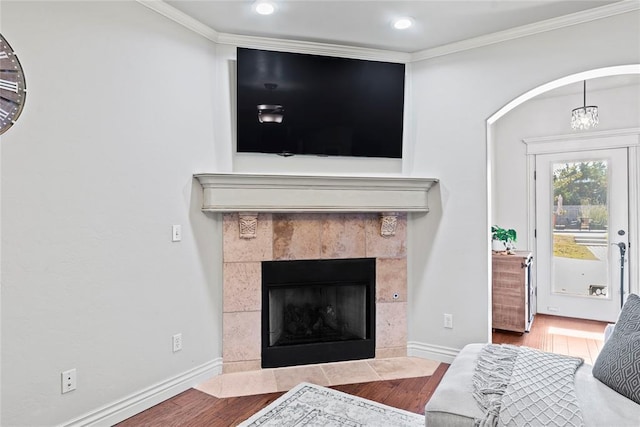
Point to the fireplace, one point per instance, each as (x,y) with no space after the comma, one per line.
(301,237)
(294,217)
(316,311)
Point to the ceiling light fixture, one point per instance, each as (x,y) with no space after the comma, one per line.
(402,23)
(264,7)
(270,113)
(585,117)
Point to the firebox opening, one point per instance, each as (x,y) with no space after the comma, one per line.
(307,314)
(318,311)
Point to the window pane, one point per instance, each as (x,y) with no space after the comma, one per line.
(580,228)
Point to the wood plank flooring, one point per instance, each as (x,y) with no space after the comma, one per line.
(563,335)
(194,408)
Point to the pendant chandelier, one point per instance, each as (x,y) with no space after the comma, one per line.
(585,117)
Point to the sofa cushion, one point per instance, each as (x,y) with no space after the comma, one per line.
(618,365)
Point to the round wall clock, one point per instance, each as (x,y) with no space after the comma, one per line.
(13,89)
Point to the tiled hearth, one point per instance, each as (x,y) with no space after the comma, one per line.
(325,374)
(294,236)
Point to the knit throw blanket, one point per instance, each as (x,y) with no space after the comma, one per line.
(520,386)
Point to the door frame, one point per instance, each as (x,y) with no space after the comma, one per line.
(588,141)
(576,303)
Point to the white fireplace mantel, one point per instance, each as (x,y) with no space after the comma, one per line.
(233,192)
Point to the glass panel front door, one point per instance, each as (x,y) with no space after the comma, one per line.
(581,215)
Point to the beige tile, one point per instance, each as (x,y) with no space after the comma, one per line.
(287,378)
(242,286)
(402,367)
(349,372)
(282,379)
(241,336)
(386,247)
(342,236)
(212,386)
(236,249)
(248,383)
(426,365)
(391,324)
(385,353)
(391,278)
(243,366)
(296,236)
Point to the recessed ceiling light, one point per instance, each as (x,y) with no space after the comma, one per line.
(402,23)
(264,7)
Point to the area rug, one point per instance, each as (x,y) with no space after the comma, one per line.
(312,405)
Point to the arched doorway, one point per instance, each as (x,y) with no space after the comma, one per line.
(528,228)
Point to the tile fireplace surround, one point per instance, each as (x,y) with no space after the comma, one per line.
(306,218)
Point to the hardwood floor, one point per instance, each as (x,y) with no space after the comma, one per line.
(563,335)
(582,338)
(195,408)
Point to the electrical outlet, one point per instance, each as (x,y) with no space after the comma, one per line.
(177,342)
(68,381)
(176,233)
(448,321)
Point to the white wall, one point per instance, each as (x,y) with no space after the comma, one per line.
(547,116)
(453,97)
(119,115)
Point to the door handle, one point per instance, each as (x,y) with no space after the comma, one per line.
(622,246)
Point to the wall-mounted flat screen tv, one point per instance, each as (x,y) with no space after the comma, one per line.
(291,103)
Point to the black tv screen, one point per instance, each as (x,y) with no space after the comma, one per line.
(291,103)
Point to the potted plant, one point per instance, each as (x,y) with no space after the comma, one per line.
(502,239)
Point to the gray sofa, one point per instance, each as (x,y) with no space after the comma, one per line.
(607,394)
(453,405)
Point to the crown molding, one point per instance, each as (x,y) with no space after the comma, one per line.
(266,43)
(181,18)
(316,48)
(624,6)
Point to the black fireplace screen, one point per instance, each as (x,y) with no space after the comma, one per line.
(304,314)
(318,311)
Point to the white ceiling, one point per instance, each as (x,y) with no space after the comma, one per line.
(361,23)
(368,23)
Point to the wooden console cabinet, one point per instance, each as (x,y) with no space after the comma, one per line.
(512,295)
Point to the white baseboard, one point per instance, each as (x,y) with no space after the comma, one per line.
(144,399)
(430,351)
